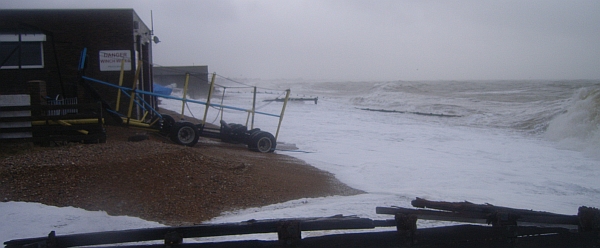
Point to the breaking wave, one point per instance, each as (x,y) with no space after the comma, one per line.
(564,112)
(578,126)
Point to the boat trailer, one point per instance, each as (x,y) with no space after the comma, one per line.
(182,132)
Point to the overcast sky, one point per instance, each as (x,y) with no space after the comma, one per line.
(371,40)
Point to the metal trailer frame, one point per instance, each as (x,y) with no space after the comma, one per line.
(187,133)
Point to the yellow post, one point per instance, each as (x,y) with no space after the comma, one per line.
(222,98)
(64,123)
(137,123)
(72,122)
(210,91)
(248,117)
(253,108)
(120,84)
(287,96)
(154,122)
(185,86)
(132,94)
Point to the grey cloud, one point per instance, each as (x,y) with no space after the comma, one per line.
(372,40)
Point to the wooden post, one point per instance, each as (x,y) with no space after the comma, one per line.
(406,226)
(589,219)
(289,233)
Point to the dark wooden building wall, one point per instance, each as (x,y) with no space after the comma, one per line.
(67,33)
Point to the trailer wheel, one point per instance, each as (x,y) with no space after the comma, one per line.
(262,142)
(253,131)
(185,133)
(249,140)
(225,131)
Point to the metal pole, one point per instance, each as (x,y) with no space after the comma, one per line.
(287,96)
(132,95)
(210,91)
(253,108)
(185,86)
(222,98)
(248,117)
(120,84)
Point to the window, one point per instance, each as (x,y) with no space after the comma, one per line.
(30,47)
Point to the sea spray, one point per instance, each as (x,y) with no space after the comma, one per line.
(578,127)
(495,153)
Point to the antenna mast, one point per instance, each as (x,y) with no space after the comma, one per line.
(151,23)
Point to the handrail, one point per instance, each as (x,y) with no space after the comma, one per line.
(175,98)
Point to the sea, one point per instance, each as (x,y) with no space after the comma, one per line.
(521,144)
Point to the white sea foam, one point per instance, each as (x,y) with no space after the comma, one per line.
(496,152)
(578,127)
(507,148)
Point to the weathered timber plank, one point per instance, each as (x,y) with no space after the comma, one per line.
(247,227)
(15,108)
(463,236)
(566,221)
(472,207)
(16,119)
(478,218)
(523,215)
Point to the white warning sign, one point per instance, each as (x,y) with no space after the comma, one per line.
(110,60)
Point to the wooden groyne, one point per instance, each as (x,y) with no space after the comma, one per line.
(294,99)
(499,227)
(409,112)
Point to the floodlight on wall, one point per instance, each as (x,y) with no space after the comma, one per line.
(155,39)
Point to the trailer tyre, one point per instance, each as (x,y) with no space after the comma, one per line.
(262,142)
(225,131)
(167,123)
(185,133)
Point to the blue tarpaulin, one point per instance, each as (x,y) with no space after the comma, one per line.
(159,89)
